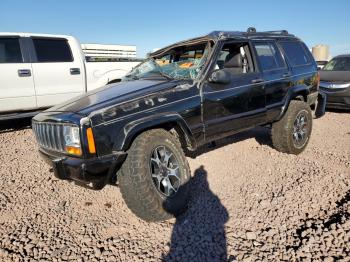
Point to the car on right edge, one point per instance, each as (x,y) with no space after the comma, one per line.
(335,82)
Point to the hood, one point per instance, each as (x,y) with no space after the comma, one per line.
(112,94)
(335,76)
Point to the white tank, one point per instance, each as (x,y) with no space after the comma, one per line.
(321,52)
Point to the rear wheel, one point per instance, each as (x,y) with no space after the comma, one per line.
(154,178)
(292,133)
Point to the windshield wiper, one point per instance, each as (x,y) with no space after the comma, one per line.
(132,77)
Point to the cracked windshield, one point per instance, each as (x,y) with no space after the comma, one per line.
(184,62)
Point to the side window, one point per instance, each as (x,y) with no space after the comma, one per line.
(165,60)
(235,58)
(10,51)
(295,53)
(269,56)
(191,54)
(52,50)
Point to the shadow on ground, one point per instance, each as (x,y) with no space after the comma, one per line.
(15,125)
(339,111)
(199,234)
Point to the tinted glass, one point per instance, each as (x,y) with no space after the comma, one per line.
(10,51)
(338,64)
(295,53)
(269,57)
(52,50)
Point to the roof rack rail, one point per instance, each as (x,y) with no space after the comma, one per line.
(280,32)
(252,30)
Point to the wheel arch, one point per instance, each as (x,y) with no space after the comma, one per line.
(299,93)
(173,123)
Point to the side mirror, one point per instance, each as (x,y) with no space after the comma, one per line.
(220,77)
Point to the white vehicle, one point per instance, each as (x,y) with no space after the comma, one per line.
(38,71)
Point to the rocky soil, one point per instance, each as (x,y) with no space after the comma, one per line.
(249,203)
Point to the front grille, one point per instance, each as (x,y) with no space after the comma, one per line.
(49,135)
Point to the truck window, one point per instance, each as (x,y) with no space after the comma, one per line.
(295,53)
(269,56)
(52,50)
(10,51)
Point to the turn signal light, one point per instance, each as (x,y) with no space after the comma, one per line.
(73,150)
(91,141)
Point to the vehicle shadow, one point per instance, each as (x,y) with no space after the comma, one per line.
(15,125)
(199,233)
(262,135)
(338,111)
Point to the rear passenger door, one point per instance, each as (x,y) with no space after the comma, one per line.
(57,75)
(276,76)
(16,79)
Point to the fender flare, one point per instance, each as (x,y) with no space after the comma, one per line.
(134,128)
(293,93)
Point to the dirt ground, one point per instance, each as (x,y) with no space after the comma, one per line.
(249,203)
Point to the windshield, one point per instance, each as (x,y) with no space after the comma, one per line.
(179,63)
(338,64)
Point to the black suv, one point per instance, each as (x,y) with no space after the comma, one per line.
(135,132)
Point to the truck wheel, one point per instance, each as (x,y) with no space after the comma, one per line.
(292,133)
(154,179)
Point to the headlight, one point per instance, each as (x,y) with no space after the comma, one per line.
(71,135)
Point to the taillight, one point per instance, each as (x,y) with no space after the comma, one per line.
(318,79)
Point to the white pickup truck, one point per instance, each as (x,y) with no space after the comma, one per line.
(38,71)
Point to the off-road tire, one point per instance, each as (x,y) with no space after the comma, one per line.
(136,183)
(282,131)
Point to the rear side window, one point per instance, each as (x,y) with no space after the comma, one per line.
(269,56)
(296,53)
(10,51)
(52,50)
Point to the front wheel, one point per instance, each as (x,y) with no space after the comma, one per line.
(154,179)
(291,133)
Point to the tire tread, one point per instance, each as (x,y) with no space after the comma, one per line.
(280,133)
(135,189)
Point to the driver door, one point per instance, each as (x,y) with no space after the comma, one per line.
(239,104)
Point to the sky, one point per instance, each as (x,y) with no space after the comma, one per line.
(155,24)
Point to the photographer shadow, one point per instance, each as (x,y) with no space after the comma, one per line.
(199,233)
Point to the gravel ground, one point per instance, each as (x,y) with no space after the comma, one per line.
(249,203)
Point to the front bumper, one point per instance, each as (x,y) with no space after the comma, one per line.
(338,98)
(92,173)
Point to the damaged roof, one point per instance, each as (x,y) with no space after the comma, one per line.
(251,33)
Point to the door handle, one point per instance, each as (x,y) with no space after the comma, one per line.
(24,72)
(286,75)
(258,80)
(75,71)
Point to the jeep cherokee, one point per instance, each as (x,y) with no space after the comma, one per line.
(188,94)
